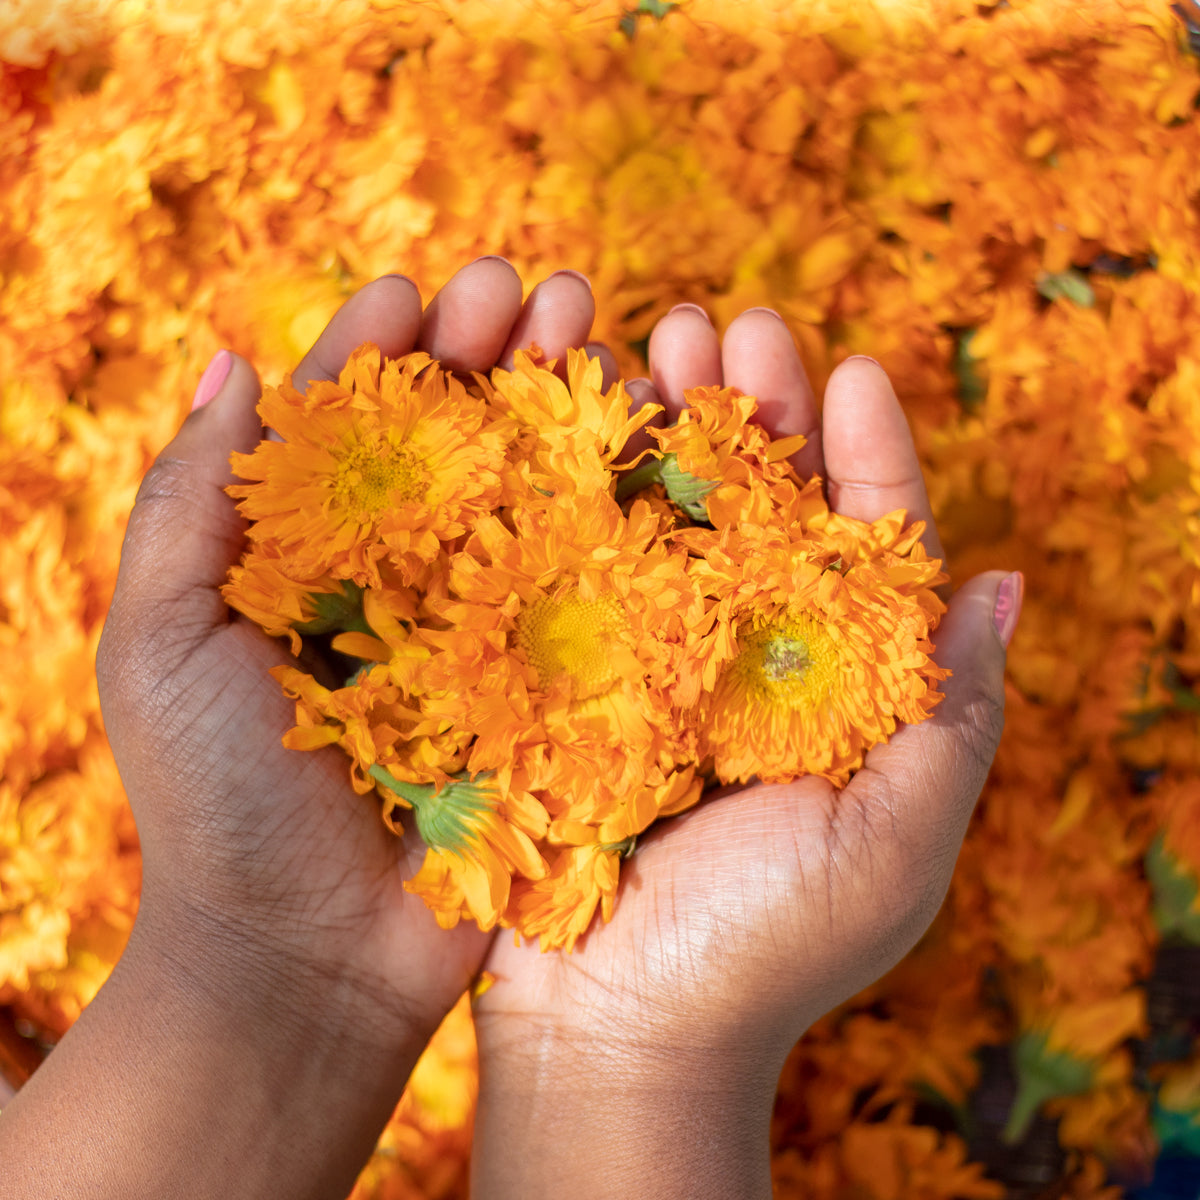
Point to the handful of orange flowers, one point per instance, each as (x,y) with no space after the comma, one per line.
(549,649)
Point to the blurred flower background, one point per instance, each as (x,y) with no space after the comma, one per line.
(998,200)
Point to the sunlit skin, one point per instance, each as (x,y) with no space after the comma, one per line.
(280,983)
(741,922)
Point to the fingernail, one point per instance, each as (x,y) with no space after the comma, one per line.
(213,378)
(761,309)
(397,275)
(692,308)
(1007,612)
(493,258)
(587,283)
(864,358)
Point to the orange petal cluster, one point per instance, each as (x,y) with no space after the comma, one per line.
(994,199)
(547,663)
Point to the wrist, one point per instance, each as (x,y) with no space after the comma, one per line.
(199,1081)
(271,992)
(573,1112)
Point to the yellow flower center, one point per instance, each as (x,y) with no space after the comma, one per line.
(370,477)
(790,662)
(568,635)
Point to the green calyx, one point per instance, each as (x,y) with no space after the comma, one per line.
(337,612)
(447,819)
(1042,1074)
(685,490)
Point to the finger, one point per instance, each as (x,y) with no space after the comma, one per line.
(558,315)
(871,462)
(684,352)
(184,532)
(387,312)
(641,392)
(924,782)
(758,356)
(607,360)
(467,324)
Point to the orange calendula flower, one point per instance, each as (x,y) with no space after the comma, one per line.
(387,464)
(261,589)
(478,840)
(558,643)
(717,465)
(558,908)
(580,427)
(812,659)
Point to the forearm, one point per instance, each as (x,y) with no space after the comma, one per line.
(163,1090)
(598,1121)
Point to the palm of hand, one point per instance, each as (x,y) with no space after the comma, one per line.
(252,852)
(763,908)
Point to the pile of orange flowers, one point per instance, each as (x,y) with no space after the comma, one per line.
(551,654)
(995,199)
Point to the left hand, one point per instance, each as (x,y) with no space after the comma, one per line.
(279,983)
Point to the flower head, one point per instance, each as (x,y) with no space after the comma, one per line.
(478,840)
(812,656)
(387,464)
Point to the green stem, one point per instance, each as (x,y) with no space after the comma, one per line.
(1032,1093)
(634,481)
(414,793)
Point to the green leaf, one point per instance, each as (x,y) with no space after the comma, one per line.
(1067,285)
(972,384)
(1183,697)
(1042,1074)
(1177,1131)
(646,8)
(1175,890)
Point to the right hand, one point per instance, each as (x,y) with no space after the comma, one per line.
(645,1062)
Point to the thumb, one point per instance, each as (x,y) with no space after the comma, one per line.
(184,531)
(936,770)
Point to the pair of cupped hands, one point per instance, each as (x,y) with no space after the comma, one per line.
(280,983)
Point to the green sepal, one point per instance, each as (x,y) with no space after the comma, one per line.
(446,819)
(1066,285)
(685,490)
(624,848)
(1042,1074)
(1175,891)
(337,612)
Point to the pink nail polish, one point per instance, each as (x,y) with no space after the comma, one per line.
(213,378)
(1007,612)
(692,308)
